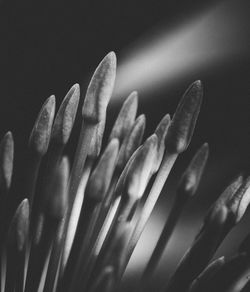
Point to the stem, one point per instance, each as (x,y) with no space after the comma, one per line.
(75,214)
(165,168)
(166,233)
(76,173)
(83,233)
(82,150)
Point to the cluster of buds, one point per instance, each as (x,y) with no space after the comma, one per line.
(78,224)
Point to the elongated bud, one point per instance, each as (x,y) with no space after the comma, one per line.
(227,194)
(183,123)
(125,118)
(100,179)
(140,169)
(161,132)
(65,117)
(6,160)
(58,196)
(121,180)
(100,90)
(40,135)
(235,199)
(191,177)
(240,201)
(131,141)
(19,226)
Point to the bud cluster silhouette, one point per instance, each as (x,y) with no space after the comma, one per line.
(79,224)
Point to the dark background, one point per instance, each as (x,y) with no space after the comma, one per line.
(54,44)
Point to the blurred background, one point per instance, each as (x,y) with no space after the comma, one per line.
(162,46)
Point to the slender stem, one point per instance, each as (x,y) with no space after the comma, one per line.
(199,254)
(15,259)
(76,211)
(38,255)
(87,261)
(104,210)
(54,261)
(166,233)
(77,172)
(3,269)
(82,150)
(165,168)
(79,161)
(120,218)
(20,273)
(54,156)
(83,233)
(33,170)
(12,259)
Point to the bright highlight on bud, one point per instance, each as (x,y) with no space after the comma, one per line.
(100,90)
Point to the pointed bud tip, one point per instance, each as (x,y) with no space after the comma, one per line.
(125,118)
(23,208)
(75,86)
(191,177)
(98,183)
(131,141)
(161,132)
(19,225)
(40,135)
(74,91)
(50,102)
(100,90)
(240,201)
(198,84)
(141,167)
(134,94)
(7,142)
(132,98)
(184,120)
(65,117)
(9,135)
(140,122)
(131,103)
(111,58)
(162,127)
